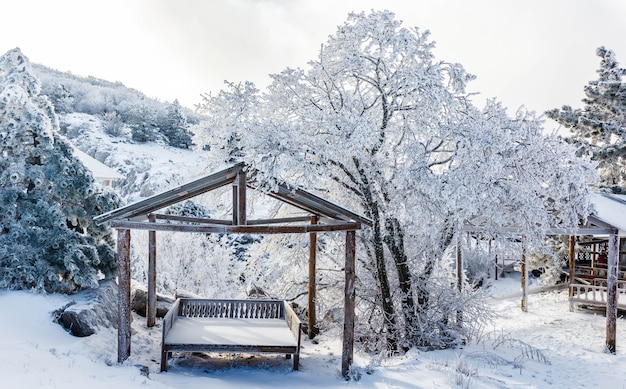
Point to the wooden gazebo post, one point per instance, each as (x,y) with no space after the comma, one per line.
(349,298)
(123,284)
(459,278)
(151,302)
(611,291)
(312,331)
(524,278)
(572,262)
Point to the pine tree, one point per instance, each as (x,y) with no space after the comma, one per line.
(599,128)
(176,127)
(142,124)
(48,240)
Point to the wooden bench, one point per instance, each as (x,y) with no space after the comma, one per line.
(239,326)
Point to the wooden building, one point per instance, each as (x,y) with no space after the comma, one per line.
(597,261)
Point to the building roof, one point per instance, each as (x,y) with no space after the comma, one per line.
(610,209)
(99,170)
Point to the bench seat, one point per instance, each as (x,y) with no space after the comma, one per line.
(250,326)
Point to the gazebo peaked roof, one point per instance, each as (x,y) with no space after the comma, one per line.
(133,215)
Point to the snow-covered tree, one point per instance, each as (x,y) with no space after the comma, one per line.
(175,127)
(48,240)
(599,128)
(142,124)
(376,123)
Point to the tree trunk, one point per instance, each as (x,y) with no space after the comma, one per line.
(394,239)
(372,210)
(383,283)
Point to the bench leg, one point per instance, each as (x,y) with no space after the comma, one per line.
(287,356)
(296,361)
(164,355)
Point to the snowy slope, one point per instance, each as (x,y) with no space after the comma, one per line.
(147,168)
(548,347)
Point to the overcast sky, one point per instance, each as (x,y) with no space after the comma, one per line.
(539,53)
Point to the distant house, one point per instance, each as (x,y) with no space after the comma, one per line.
(101,172)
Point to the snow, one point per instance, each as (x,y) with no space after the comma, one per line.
(98,169)
(611,209)
(245,332)
(548,346)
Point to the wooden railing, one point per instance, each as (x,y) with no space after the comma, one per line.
(237,309)
(596,272)
(594,295)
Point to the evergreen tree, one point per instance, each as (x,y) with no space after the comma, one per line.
(48,240)
(176,127)
(599,128)
(143,124)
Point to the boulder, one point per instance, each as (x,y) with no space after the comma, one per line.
(139,298)
(91,309)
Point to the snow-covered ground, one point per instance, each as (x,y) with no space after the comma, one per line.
(547,347)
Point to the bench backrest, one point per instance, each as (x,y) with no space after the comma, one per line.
(235,309)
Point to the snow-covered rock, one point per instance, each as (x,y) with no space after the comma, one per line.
(90,310)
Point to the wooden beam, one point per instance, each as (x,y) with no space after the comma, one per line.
(312,330)
(349,303)
(239,199)
(202,220)
(151,302)
(172,196)
(459,278)
(189,219)
(549,231)
(611,292)
(230,229)
(295,219)
(123,284)
(572,261)
(524,278)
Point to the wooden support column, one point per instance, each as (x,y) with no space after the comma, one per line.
(459,278)
(524,278)
(611,292)
(151,302)
(572,261)
(349,302)
(123,284)
(239,199)
(497,267)
(312,317)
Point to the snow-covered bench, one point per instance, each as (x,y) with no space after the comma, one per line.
(240,326)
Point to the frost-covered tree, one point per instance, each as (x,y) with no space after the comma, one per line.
(48,240)
(599,128)
(175,127)
(377,123)
(142,122)
(61,98)
(112,123)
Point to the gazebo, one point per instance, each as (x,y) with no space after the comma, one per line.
(319,216)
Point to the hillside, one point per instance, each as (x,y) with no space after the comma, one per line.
(96,116)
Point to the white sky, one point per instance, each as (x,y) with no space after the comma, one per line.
(539,53)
